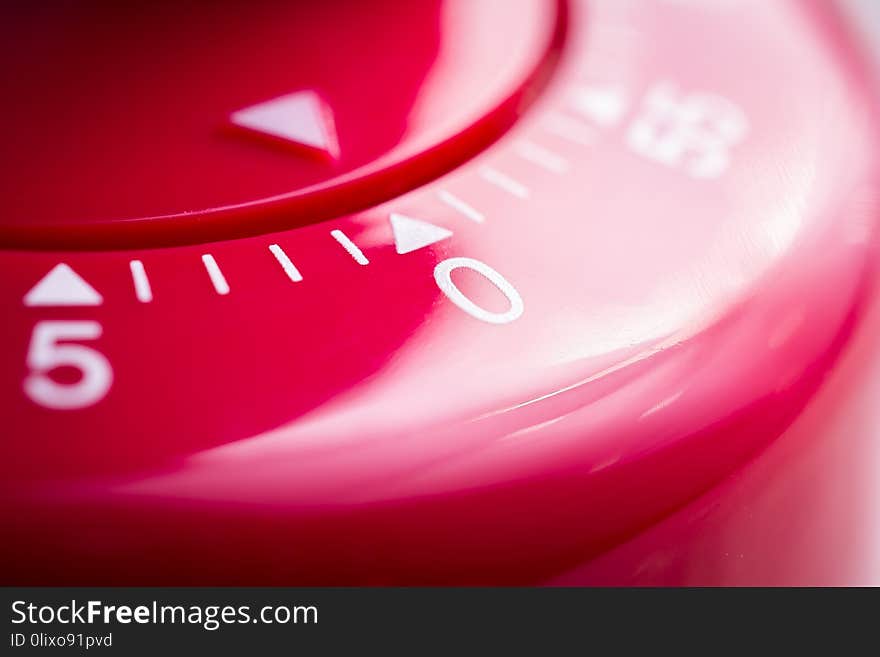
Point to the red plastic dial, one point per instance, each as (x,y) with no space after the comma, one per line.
(490,378)
(167,124)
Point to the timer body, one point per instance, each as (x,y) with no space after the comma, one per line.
(451,293)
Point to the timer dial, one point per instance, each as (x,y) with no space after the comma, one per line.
(570,326)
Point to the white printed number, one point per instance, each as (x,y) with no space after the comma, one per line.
(694,131)
(47,352)
(443,276)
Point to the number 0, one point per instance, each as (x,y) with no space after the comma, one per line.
(443,276)
(46,353)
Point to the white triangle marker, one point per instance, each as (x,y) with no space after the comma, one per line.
(411,234)
(301,117)
(62,287)
(603,105)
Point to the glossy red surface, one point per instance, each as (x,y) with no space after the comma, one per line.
(677,249)
(121,131)
(806,512)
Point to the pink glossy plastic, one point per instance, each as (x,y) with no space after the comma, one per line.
(673,309)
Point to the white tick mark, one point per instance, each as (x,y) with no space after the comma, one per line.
(350,246)
(142,289)
(460,206)
(288,267)
(544,158)
(216,276)
(505,182)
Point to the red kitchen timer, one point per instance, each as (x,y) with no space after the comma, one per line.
(438,292)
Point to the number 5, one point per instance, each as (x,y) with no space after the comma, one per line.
(46,353)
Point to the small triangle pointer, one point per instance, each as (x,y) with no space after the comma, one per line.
(62,287)
(300,117)
(604,105)
(411,234)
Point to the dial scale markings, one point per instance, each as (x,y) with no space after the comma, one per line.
(62,286)
(599,106)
